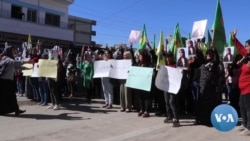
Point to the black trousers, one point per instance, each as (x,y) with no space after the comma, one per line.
(172,105)
(245,110)
(8,101)
(144,100)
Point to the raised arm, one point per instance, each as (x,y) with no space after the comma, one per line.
(132,54)
(237,44)
(153,54)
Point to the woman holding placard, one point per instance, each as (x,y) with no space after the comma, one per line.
(8,101)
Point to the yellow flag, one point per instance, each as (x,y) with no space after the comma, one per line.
(29,46)
(160,51)
(143,39)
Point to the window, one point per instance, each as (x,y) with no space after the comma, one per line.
(16,12)
(52,19)
(32,15)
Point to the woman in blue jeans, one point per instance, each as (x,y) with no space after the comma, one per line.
(43,90)
(106,85)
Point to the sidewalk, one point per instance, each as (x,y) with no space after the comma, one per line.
(79,121)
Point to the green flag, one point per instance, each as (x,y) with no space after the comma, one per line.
(231,43)
(154,43)
(143,39)
(159,52)
(209,40)
(219,36)
(177,41)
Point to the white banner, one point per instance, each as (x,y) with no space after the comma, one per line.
(199,28)
(168,79)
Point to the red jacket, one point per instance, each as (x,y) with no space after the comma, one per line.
(244,79)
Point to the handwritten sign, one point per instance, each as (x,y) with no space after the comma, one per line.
(140,78)
(47,68)
(120,69)
(102,68)
(117,69)
(168,79)
(28,69)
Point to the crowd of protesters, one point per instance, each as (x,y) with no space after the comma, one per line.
(204,83)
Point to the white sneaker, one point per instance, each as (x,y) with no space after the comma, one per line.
(245,132)
(56,107)
(240,128)
(50,107)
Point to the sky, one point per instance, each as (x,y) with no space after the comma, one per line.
(116,18)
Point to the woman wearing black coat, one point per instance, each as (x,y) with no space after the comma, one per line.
(8,101)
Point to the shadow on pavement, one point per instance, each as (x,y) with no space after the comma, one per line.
(63,116)
(82,106)
(77,105)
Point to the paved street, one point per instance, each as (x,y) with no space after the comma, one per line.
(79,121)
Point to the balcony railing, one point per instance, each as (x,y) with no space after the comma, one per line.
(38,20)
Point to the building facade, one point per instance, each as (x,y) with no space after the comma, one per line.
(45,20)
(83,31)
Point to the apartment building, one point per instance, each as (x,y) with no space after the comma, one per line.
(47,21)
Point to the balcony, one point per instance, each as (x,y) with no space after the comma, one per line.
(38,20)
(93,33)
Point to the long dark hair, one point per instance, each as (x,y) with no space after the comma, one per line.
(248,41)
(146,59)
(183,52)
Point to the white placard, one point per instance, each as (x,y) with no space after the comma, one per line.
(120,69)
(35,71)
(182,58)
(117,69)
(53,54)
(24,52)
(134,36)
(168,79)
(199,28)
(228,55)
(102,68)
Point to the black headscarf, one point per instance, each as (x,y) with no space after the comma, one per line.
(8,51)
